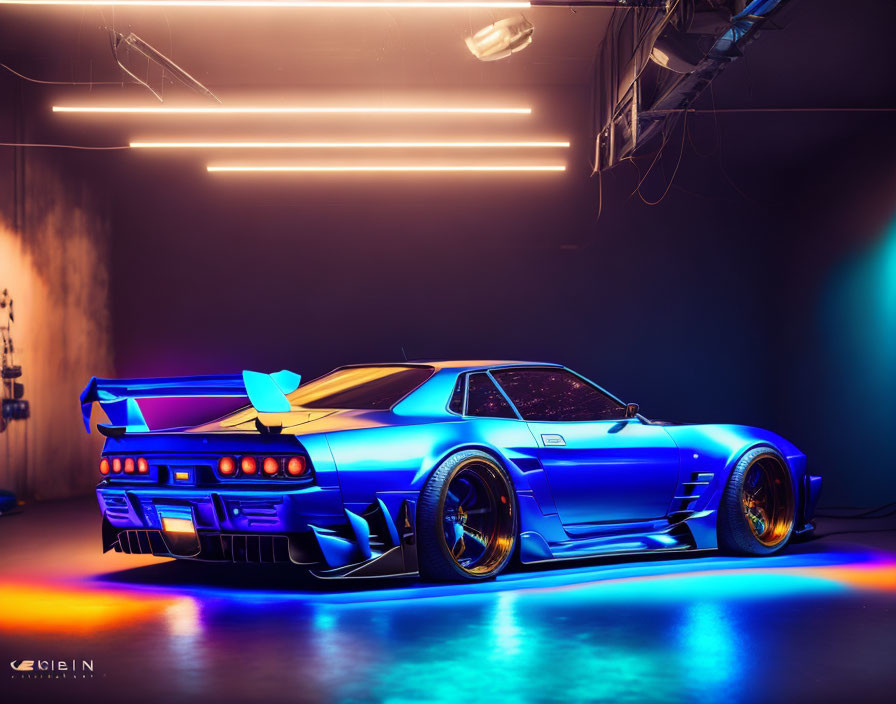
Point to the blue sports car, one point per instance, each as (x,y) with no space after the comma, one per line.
(447,470)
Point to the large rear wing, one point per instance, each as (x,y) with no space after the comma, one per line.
(118,397)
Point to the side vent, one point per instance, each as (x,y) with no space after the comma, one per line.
(687,495)
(116,505)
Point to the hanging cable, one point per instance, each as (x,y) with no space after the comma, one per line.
(62,83)
(865,514)
(674,172)
(63,146)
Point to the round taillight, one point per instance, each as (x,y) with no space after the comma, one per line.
(296,466)
(129,465)
(104,466)
(227,466)
(142,466)
(270,466)
(116,465)
(248,466)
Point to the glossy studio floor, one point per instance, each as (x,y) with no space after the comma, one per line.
(817,623)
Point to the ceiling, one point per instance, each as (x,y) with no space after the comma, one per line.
(234,49)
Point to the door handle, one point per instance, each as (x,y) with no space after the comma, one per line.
(553,440)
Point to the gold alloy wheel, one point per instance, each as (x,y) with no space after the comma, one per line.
(767,500)
(477,517)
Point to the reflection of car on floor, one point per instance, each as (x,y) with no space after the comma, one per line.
(446,469)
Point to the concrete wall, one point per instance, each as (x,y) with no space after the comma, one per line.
(53,260)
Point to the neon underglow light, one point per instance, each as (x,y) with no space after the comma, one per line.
(349,4)
(288,110)
(343,169)
(348,145)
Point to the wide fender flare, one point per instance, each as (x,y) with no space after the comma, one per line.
(718,448)
(399,459)
(433,461)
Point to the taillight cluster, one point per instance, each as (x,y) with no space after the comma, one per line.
(249,467)
(126,465)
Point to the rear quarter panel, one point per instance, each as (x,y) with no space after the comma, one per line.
(400,458)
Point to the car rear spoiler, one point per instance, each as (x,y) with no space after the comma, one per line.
(118,397)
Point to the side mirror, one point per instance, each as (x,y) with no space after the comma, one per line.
(631,410)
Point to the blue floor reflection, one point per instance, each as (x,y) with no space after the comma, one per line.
(673,630)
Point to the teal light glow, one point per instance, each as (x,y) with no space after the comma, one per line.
(857,320)
(865,305)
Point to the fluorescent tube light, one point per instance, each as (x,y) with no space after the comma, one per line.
(348,4)
(292,110)
(343,169)
(348,145)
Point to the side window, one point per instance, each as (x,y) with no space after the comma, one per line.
(556,395)
(456,404)
(484,399)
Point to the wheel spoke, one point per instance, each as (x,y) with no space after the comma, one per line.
(470,491)
(458,540)
(767,502)
(476,535)
(474,522)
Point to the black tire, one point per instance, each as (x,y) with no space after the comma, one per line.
(748,526)
(495,532)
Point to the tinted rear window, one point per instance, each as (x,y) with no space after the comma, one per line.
(364,388)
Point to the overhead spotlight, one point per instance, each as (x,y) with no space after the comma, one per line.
(677,51)
(501,39)
(127,49)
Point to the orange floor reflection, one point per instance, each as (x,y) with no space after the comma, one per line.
(32,607)
(879,577)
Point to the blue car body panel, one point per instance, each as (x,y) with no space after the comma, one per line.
(582,488)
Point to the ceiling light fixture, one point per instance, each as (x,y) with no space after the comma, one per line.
(297,110)
(127,48)
(342,169)
(501,39)
(348,145)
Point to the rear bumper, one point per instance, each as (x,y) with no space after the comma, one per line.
(232,524)
(224,510)
(307,526)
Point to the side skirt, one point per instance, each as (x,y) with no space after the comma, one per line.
(673,538)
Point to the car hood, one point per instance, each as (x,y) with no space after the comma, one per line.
(727,441)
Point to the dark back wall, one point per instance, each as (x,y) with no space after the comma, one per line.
(709,307)
(761,290)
